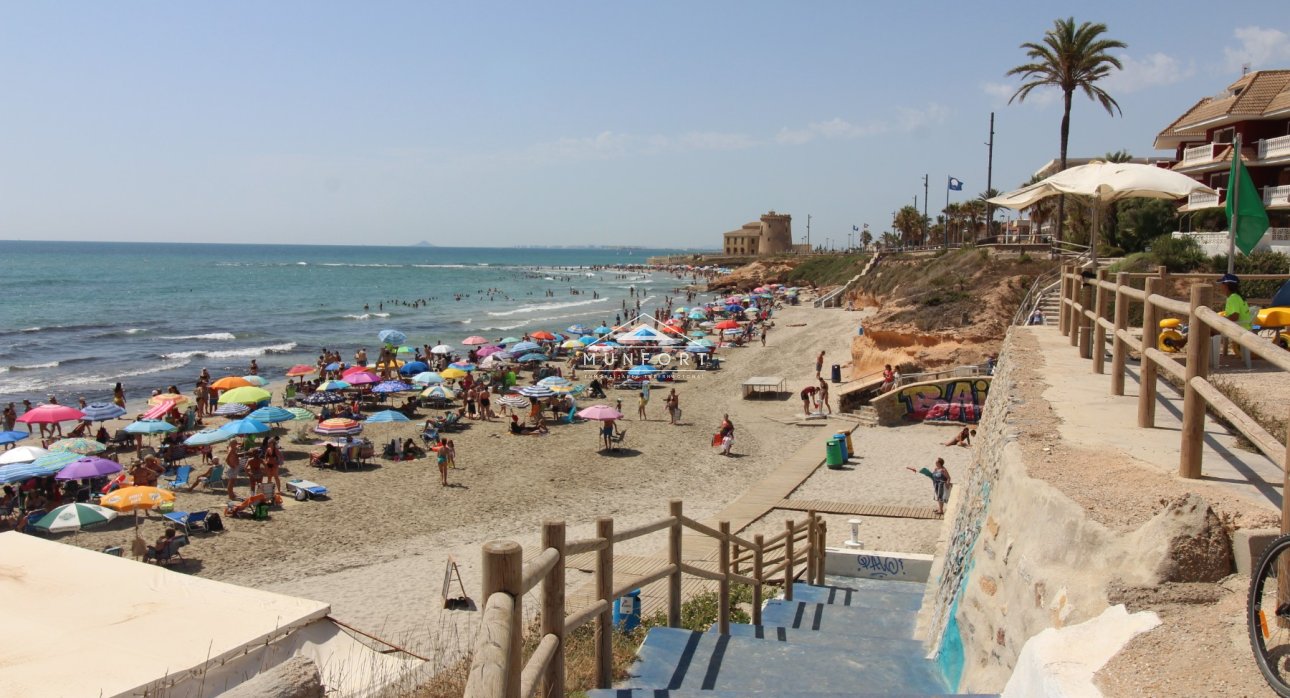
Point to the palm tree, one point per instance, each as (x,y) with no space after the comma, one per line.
(1070,58)
(1119,156)
(909,222)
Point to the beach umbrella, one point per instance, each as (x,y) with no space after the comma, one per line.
(578,329)
(51,463)
(600,413)
(245,426)
(474,340)
(734,308)
(586,339)
(405,349)
(522,347)
(8,437)
(333,366)
(74,517)
(247,395)
(229,382)
(571,344)
(391,337)
(364,378)
(233,409)
(602,330)
(50,414)
(441,349)
(698,315)
(88,467)
(516,401)
(355,369)
(149,426)
(272,415)
(391,387)
(322,398)
(427,378)
(136,498)
(257,381)
(726,325)
(21,454)
(487,351)
(489,362)
(642,370)
(533,357)
(101,411)
(759,289)
(538,391)
(509,340)
(334,385)
(697,349)
(17,472)
(387,416)
(553,381)
(412,368)
(703,342)
(84,447)
(440,392)
(542,334)
(207,437)
(172,398)
(300,370)
(501,356)
(300,414)
(338,426)
(453,374)
(462,366)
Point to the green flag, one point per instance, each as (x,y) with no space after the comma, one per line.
(1248,222)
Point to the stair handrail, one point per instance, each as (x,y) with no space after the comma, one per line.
(1043,284)
(496,669)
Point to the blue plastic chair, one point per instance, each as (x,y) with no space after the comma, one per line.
(181,477)
(187,520)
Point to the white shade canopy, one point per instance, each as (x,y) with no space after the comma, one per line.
(1106,181)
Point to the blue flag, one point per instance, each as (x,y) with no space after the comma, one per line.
(856,228)
(955,184)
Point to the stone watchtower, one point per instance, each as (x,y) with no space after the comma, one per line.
(776,233)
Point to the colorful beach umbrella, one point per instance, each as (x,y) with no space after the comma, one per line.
(322,398)
(84,447)
(247,395)
(51,463)
(300,370)
(474,340)
(301,414)
(257,381)
(9,437)
(207,437)
(245,426)
(88,467)
(334,385)
(229,382)
(149,426)
(101,411)
(385,387)
(339,426)
(173,398)
(391,337)
(439,392)
(578,329)
(271,415)
(462,366)
(387,416)
(600,413)
(538,391)
(571,344)
(136,498)
(50,414)
(232,409)
(73,517)
(427,378)
(21,454)
(553,381)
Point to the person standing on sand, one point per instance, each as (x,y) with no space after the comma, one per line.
(232,463)
(765,329)
(642,402)
(819,364)
(824,396)
(940,483)
(726,434)
(118,396)
(441,458)
(673,404)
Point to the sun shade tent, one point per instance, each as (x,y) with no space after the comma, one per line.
(83,623)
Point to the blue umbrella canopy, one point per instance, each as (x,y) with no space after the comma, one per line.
(392,337)
(698,349)
(532,357)
(149,426)
(509,340)
(698,315)
(412,368)
(8,437)
(642,370)
(207,437)
(388,416)
(462,366)
(272,415)
(578,329)
(333,366)
(536,391)
(602,330)
(101,412)
(732,308)
(322,398)
(391,387)
(245,426)
(327,386)
(586,339)
(427,378)
(552,381)
(523,347)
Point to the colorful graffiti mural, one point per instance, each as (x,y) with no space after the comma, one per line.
(955,399)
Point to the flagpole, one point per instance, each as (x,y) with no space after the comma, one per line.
(1233,192)
(946,227)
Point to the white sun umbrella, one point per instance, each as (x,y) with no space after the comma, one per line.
(1105,182)
(22,454)
(441,349)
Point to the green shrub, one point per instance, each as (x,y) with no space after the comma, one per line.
(1178,255)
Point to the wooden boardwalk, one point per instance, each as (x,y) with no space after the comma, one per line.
(826,507)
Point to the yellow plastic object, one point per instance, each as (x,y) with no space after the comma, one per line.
(1274,317)
(1170,341)
(1170,322)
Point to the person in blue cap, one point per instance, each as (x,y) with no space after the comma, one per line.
(1234,308)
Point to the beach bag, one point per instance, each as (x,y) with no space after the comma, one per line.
(716,439)
(214,523)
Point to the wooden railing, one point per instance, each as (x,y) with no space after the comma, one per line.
(1084,317)
(497,669)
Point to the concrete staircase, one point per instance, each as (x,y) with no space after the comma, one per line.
(866,415)
(852,637)
(1049,304)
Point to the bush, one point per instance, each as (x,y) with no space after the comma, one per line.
(1261,262)
(1178,255)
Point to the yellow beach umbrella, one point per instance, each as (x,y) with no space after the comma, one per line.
(136,498)
(246,395)
(453,373)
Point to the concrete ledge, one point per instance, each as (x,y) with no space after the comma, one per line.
(877,564)
(1248,545)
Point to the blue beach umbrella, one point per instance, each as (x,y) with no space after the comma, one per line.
(578,329)
(392,337)
(732,308)
(272,415)
(388,416)
(322,398)
(523,347)
(554,381)
(532,357)
(509,340)
(586,339)
(427,378)
(333,366)
(149,426)
(51,463)
(412,368)
(462,366)
(698,315)
(327,386)
(697,349)
(207,437)
(8,437)
(245,426)
(101,412)
(391,387)
(602,330)
(642,370)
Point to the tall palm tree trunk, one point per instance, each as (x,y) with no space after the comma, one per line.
(1066,135)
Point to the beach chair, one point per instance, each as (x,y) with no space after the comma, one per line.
(122,439)
(187,520)
(617,439)
(215,480)
(169,553)
(305,489)
(181,478)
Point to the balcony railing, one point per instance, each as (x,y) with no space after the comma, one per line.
(1202,199)
(1274,147)
(1276,196)
(1198,154)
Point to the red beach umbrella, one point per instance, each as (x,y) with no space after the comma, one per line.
(50,414)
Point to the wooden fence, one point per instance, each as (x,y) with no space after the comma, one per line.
(1096,306)
(498,670)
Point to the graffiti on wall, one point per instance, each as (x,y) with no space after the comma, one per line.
(958,399)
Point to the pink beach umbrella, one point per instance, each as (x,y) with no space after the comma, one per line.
(485,351)
(600,413)
(362,378)
(50,414)
(474,340)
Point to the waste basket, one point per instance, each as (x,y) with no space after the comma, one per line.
(846,447)
(833,457)
(846,437)
(836,373)
(627,611)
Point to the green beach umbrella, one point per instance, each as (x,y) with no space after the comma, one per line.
(73,517)
(246,395)
(85,447)
(301,414)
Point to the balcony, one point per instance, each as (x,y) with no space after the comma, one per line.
(1198,154)
(1201,199)
(1274,147)
(1276,196)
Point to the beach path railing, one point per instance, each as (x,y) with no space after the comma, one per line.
(1096,307)
(498,669)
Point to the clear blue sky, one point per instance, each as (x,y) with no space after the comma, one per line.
(660,124)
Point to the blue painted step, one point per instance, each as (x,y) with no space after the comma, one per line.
(672,658)
(782,693)
(857,643)
(898,600)
(840,620)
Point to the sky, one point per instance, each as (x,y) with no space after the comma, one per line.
(658,124)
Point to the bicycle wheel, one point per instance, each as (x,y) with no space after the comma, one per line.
(1268,616)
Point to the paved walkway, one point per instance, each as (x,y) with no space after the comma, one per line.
(1092,416)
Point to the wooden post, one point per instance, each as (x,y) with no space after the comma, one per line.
(811,549)
(504,571)
(824,552)
(553,609)
(1147,388)
(1101,296)
(757,574)
(723,586)
(1193,421)
(674,559)
(1119,350)
(1061,303)
(734,557)
(1085,324)
(788,560)
(604,588)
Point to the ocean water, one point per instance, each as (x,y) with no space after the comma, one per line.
(77,317)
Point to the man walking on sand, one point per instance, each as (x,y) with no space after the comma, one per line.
(819,364)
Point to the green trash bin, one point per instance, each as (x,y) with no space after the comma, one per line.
(833,454)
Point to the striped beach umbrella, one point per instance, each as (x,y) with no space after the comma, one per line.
(149,426)
(51,463)
(271,415)
(334,385)
(339,426)
(207,437)
(513,400)
(85,447)
(522,347)
(101,411)
(232,409)
(439,392)
(73,517)
(537,391)
(257,381)
(554,381)
(301,414)
(387,416)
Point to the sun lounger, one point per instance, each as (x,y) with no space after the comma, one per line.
(305,489)
(234,508)
(187,520)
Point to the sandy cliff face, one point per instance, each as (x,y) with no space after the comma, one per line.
(750,276)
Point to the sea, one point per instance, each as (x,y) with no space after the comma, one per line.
(77,317)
